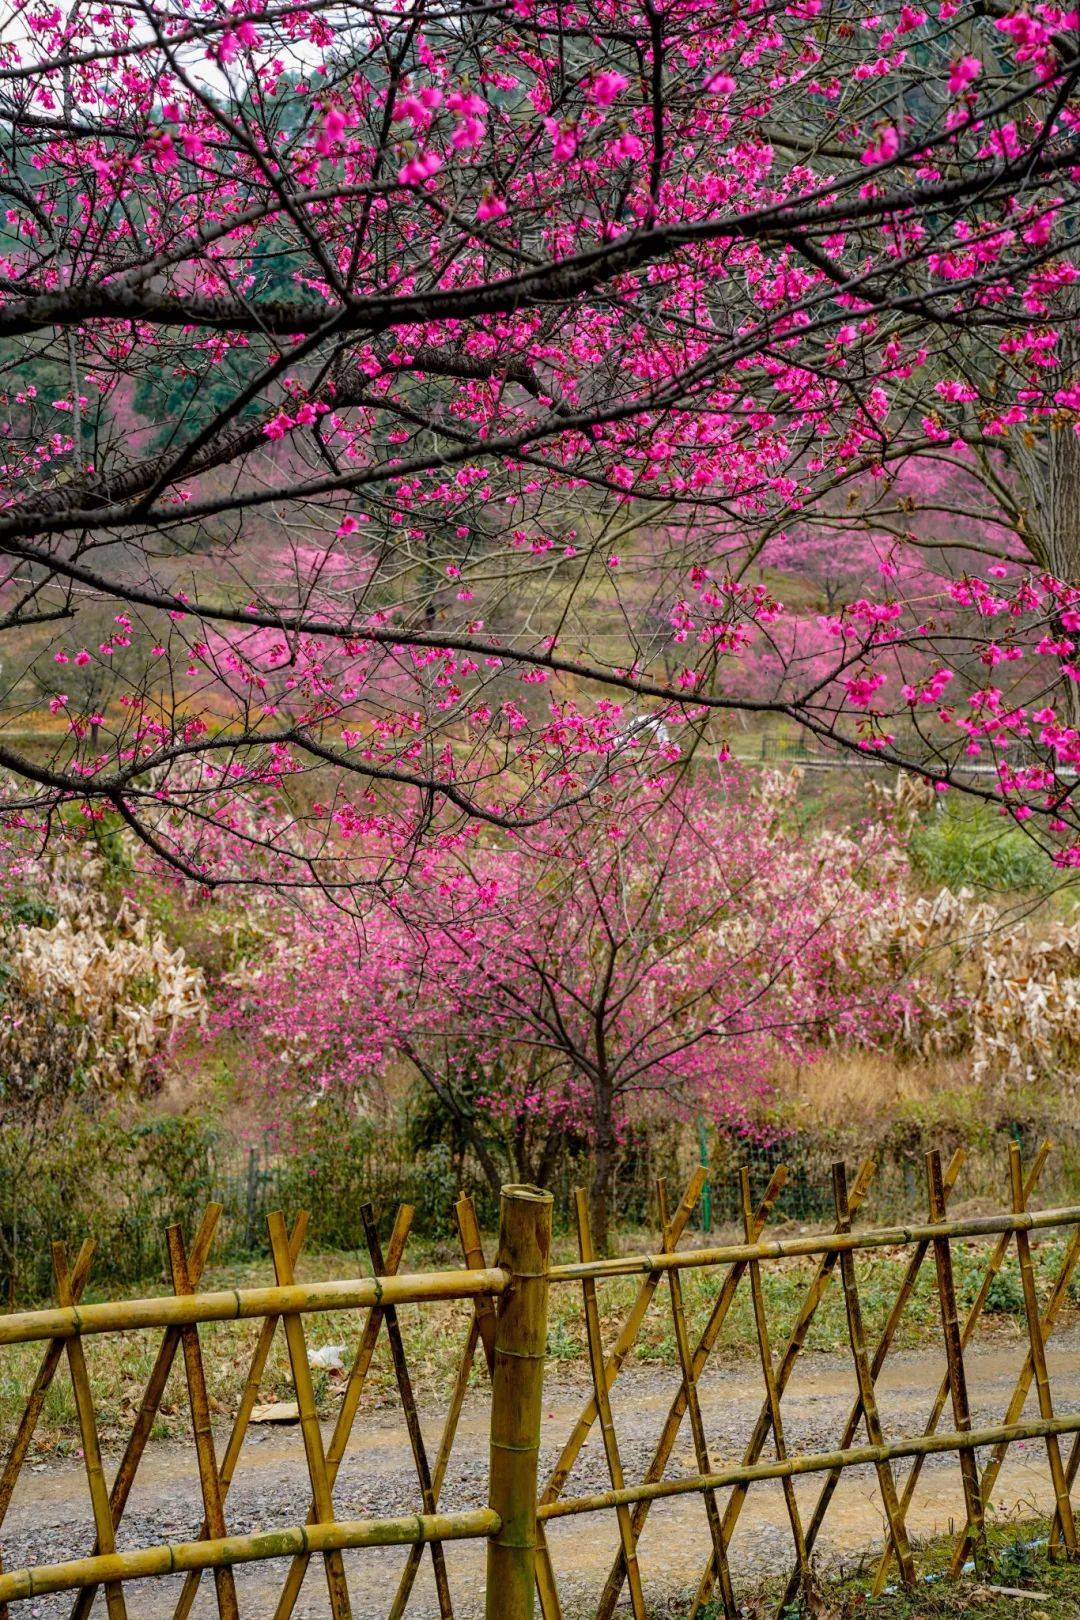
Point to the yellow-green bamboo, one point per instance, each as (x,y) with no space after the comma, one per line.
(792,1350)
(954,1358)
(545,1574)
(40,1388)
(412,1416)
(202,1428)
(1005,1434)
(517,1391)
(350,1404)
(693,1405)
(627,1538)
(84,1404)
(1018,1399)
(177,1557)
(249,1396)
(337,1585)
(609,1597)
(471,1244)
(882,1237)
(971,1321)
(241,1304)
(768,1373)
(1038,1355)
(877,1361)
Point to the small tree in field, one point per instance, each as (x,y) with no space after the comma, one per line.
(656,961)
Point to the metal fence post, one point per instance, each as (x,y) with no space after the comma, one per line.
(517,1389)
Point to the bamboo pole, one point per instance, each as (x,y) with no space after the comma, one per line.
(881,1237)
(249,1395)
(350,1405)
(881,1351)
(472,1248)
(84,1403)
(954,1357)
(311,1539)
(603,1406)
(241,1304)
(1018,1400)
(693,1404)
(609,1597)
(772,1395)
(517,1389)
(1038,1355)
(336,1584)
(886,1483)
(993,1266)
(412,1416)
(628,1335)
(923,1445)
(202,1428)
(1071,1469)
(792,1350)
(35,1403)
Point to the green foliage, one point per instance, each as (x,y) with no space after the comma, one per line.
(1015,1563)
(978,851)
(1006,1294)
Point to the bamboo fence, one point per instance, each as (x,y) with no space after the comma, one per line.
(507,1326)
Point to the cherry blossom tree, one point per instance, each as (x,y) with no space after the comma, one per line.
(600,971)
(519,331)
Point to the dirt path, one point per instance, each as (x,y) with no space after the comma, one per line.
(48,1519)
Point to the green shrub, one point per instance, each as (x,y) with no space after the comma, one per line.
(1006,1293)
(978,851)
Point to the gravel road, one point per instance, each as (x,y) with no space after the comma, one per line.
(49,1519)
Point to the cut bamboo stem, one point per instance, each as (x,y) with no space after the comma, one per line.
(517,1392)
(1038,1355)
(295,1338)
(886,1483)
(673,1422)
(248,1398)
(627,1338)
(954,1358)
(350,1405)
(310,1539)
(1018,1400)
(879,1237)
(881,1351)
(923,1445)
(472,1249)
(603,1407)
(792,1350)
(412,1416)
(693,1407)
(993,1266)
(242,1304)
(84,1403)
(202,1428)
(772,1395)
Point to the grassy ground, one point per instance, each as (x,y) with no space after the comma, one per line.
(120,1364)
(1019,1583)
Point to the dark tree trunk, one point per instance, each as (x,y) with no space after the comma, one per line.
(602,1187)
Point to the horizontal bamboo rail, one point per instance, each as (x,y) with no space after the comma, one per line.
(173,1558)
(509,1318)
(819,1462)
(241,1304)
(880,1237)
